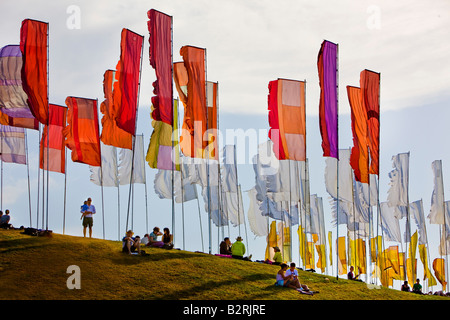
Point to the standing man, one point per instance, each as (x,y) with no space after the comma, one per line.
(88,211)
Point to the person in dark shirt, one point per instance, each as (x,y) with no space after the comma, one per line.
(351,274)
(225,246)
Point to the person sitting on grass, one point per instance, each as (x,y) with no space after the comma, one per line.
(238,250)
(303,288)
(417,287)
(131,244)
(154,238)
(282,279)
(277,258)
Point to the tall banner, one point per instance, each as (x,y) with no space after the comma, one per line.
(82,131)
(52,148)
(437,209)
(370,93)
(13,99)
(160,153)
(286,104)
(195,122)
(328,105)
(111,134)
(12,145)
(359,159)
(127,77)
(33,45)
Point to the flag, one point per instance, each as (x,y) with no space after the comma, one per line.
(416,210)
(33,45)
(52,147)
(398,191)
(359,159)
(257,222)
(212,106)
(126,84)
(342,262)
(82,132)
(328,104)
(195,123)
(164,111)
(132,161)
(389,223)
(111,134)
(439,270)
(286,104)
(437,209)
(345,176)
(12,145)
(370,93)
(107,174)
(14,109)
(423,252)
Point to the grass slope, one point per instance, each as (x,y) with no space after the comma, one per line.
(35,268)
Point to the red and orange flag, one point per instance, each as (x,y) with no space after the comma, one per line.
(82,131)
(126,86)
(33,45)
(52,148)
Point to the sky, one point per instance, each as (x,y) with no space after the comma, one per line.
(248,43)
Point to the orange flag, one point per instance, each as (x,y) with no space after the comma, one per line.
(52,147)
(439,270)
(370,91)
(194,125)
(359,158)
(82,132)
(33,45)
(111,134)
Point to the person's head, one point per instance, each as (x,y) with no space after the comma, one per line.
(292,265)
(227,240)
(239,238)
(417,280)
(89,201)
(1,213)
(283,266)
(405,283)
(276,249)
(155,229)
(85,202)
(166,230)
(352,268)
(129,233)
(6,211)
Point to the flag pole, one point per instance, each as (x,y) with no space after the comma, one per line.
(65,188)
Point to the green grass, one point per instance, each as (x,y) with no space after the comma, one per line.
(35,268)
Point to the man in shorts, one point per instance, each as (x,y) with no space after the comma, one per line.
(88,221)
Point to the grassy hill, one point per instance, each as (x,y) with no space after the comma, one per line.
(35,268)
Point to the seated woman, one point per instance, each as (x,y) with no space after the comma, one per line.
(277,257)
(153,237)
(282,280)
(167,239)
(131,244)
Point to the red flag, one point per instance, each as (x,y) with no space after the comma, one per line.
(52,146)
(33,45)
(82,132)
(126,87)
(370,90)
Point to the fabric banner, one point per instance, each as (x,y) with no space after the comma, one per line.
(52,147)
(14,109)
(82,131)
(126,84)
(212,106)
(439,270)
(416,210)
(257,222)
(342,262)
(359,159)
(33,45)
(286,104)
(370,93)
(398,191)
(194,125)
(437,209)
(129,162)
(390,224)
(423,253)
(107,174)
(111,134)
(12,145)
(328,105)
(345,176)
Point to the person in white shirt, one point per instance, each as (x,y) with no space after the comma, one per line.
(301,287)
(88,211)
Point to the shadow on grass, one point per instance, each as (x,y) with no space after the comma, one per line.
(154,255)
(211,285)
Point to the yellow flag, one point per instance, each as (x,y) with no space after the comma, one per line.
(342,256)
(424,258)
(331,247)
(321,262)
(439,270)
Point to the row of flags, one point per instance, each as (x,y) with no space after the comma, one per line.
(280,193)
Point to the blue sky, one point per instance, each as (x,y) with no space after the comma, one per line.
(248,44)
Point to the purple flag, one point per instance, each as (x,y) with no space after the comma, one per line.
(328,105)
(12,144)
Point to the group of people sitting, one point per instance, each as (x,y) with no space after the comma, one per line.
(236,250)
(289,278)
(132,244)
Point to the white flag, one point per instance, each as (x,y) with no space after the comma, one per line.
(398,192)
(345,176)
(258,223)
(437,210)
(108,168)
(416,210)
(126,159)
(389,222)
